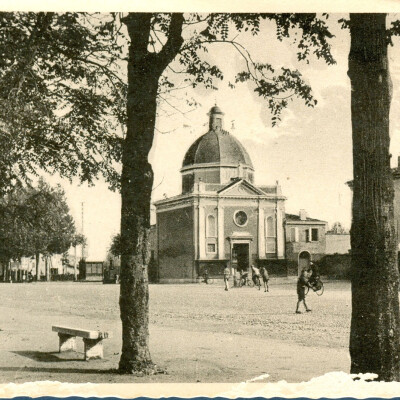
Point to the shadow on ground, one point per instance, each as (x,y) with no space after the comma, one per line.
(42,356)
(60,370)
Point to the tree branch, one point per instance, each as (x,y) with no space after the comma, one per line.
(173,44)
(42,23)
(139,25)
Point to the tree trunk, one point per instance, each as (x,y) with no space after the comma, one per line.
(46,264)
(37,255)
(6,271)
(144,71)
(75,274)
(374,337)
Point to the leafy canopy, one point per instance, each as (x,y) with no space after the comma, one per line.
(60,96)
(35,220)
(63,82)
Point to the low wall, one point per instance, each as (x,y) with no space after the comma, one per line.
(335,266)
(215,268)
(276,267)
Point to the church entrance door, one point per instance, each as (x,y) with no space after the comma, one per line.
(240,256)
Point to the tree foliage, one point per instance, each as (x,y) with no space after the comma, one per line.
(35,220)
(60,96)
(115,247)
(63,83)
(338,229)
(79,240)
(201,32)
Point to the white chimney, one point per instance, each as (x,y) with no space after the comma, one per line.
(303,214)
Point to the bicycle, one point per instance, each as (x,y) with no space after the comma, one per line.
(205,279)
(316,285)
(245,281)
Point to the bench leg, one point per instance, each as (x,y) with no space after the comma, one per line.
(66,342)
(93,348)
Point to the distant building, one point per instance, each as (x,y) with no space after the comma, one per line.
(90,271)
(305,238)
(18,270)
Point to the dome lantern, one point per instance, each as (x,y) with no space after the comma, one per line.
(216,119)
(216,157)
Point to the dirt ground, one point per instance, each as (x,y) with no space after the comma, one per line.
(198,332)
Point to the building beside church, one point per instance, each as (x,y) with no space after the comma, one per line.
(221,218)
(305,239)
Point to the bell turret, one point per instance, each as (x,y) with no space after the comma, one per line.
(216,119)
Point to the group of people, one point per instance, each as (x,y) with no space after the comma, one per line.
(257,275)
(307,278)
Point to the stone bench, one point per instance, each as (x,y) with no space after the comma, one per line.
(93,340)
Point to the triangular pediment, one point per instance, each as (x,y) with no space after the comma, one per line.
(241,188)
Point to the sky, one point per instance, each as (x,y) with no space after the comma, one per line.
(309,153)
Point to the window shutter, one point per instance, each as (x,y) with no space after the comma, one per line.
(296,234)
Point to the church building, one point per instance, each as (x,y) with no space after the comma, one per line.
(221,218)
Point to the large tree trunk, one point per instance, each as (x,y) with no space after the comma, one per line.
(144,71)
(374,338)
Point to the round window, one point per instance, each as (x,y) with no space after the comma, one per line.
(240,218)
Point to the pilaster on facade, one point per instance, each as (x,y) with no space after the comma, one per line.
(280,234)
(261,233)
(196,230)
(221,236)
(202,233)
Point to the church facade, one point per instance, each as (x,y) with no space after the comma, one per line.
(221,218)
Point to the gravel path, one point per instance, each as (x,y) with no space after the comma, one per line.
(198,333)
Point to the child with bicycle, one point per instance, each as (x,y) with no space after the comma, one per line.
(302,283)
(314,277)
(243,278)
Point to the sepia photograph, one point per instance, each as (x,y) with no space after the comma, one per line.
(199,198)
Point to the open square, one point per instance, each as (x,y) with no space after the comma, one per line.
(198,332)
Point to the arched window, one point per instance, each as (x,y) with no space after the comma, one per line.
(211,228)
(270,227)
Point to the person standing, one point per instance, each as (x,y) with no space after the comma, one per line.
(265,277)
(302,282)
(205,276)
(255,272)
(227,273)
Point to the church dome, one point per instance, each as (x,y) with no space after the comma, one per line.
(217,146)
(216,158)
